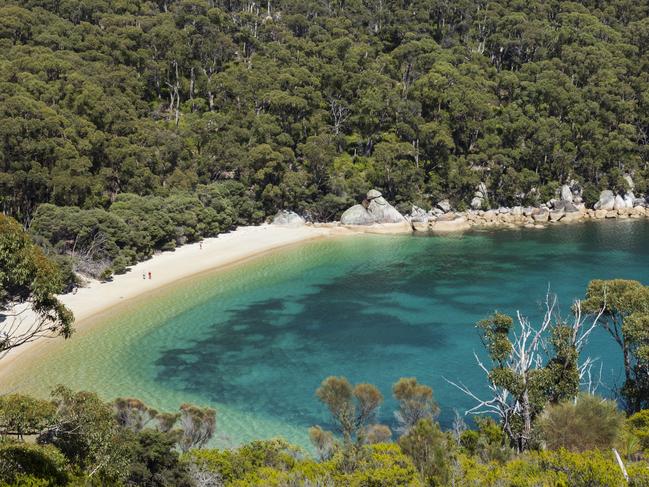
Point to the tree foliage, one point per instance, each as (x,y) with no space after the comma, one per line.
(28,283)
(626,318)
(309,103)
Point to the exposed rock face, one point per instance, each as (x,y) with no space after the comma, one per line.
(450,223)
(444,205)
(571,216)
(479,197)
(556,215)
(606,200)
(376,210)
(540,215)
(566,193)
(418,215)
(357,215)
(420,226)
(619,203)
(570,208)
(629,181)
(288,218)
(382,211)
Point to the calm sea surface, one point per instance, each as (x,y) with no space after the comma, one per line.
(255,341)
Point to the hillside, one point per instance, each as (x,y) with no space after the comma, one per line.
(307,104)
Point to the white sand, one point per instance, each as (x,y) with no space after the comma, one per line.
(188,260)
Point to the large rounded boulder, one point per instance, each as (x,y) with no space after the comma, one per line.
(375,209)
(606,200)
(357,215)
(288,218)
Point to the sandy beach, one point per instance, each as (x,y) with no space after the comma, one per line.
(188,260)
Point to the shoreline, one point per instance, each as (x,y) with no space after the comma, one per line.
(167,268)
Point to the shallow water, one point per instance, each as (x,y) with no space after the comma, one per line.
(256,340)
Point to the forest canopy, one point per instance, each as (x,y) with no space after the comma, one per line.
(307,104)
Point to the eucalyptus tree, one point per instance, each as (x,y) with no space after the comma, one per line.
(625,317)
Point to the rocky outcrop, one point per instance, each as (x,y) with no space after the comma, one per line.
(540,215)
(357,215)
(566,193)
(376,215)
(418,215)
(374,209)
(288,218)
(450,223)
(444,205)
(479,197)
(606,200)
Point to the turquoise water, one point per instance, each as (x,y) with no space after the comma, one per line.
(256,340)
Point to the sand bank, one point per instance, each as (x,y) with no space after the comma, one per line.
(186,261)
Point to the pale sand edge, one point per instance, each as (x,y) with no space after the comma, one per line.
(186,261)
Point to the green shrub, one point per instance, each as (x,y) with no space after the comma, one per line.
(28,464)
(587,423)
(638,425)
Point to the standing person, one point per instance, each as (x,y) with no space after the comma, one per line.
(149,274)
(143,275)
(200,244)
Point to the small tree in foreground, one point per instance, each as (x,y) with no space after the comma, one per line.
(352,407)
(197,426)
(431,451)
(415,403)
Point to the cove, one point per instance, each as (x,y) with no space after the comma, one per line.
(255,340)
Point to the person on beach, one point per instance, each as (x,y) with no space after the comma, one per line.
(144,275)
(200,245)
(149,274)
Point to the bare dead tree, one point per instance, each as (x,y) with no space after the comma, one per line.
(529,352)
(339,113)
(203,477)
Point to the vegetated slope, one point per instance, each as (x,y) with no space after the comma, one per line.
(309,103)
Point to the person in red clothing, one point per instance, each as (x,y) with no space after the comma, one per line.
(149,274)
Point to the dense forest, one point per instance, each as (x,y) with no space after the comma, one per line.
(305,105)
